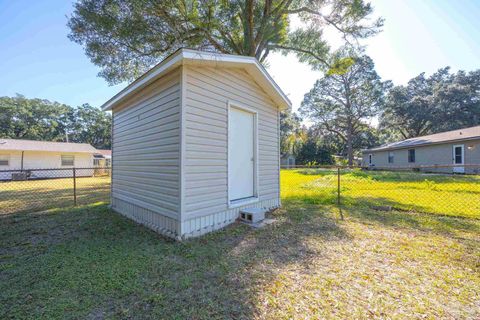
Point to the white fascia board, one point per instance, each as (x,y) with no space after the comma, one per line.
(144,80)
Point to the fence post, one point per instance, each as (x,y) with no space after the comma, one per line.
(74,187)
(338,193)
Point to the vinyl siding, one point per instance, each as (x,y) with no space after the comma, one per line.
(146,154)
(206,124)
(439,154)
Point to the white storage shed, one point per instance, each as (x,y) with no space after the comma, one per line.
(196,140)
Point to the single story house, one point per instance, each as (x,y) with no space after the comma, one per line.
(195,141)
(26,155)
(287,160)
(459,150)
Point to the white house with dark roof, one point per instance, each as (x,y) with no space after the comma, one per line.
(26,155)
(459,149)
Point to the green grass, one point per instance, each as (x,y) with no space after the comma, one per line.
(431,193)
(36,195)
(91,263)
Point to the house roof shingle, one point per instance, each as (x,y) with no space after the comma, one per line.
(32,145)
(448,136)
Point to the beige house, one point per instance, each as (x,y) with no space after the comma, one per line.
(195,141)
(459,150)
(26,155)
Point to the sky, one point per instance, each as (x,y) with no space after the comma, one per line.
(39,61)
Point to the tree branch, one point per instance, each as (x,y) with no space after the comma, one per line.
(282,47)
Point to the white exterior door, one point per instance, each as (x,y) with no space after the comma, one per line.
(459,158)
(241,154)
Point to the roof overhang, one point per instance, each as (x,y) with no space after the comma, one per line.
(412,146)
(200,58)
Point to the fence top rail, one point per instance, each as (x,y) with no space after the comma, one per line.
(54,169)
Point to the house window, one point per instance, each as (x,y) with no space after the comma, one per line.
(68,160)
(108,162)
(4,159)
(391,157)
(369,159)
(96,162)
(411,155)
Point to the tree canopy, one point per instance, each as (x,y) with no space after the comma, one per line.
(126,37)
(39,119)
(345,98)
(442,102)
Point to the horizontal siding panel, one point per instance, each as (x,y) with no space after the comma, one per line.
(204,169)
(213,107)
(154,177)
(149,92)
(223,96)
(205,138)
(206,155)
(242,79)
(214,200)
(206,124)
(200,98)
(152,109)
(166,137)
(149,106)
(192,213)
(147,156)
(147,126)
(159,141)
(150,132)
(204,184)
(146,149)
(163,191)
(193,177)
(158,120)
(199,200)
(218,188)
(226,90)
(201,127)
(207,121)
(160,206)
(160,165)
(206,148)
(148,168)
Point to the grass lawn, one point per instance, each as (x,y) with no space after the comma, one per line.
(91,263)
(35,195)
(431,193)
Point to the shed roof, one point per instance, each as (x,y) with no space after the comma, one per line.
(33,145)
(442,137)
(194,57)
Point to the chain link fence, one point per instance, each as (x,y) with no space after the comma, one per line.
(41,189)
(435,189)
(430,189)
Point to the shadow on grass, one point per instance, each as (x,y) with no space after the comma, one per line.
(92,263)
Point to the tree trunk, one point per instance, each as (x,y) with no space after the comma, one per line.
(350,147)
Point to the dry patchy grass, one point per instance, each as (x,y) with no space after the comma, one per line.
(91,263)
